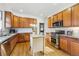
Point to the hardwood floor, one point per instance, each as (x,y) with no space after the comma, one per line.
(49,50)
(22,49)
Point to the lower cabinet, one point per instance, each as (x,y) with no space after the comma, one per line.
(27,36)
(69,45)
(0,49)
(23,37)
(63,43)
(13,42)
(75,48)
(6,48)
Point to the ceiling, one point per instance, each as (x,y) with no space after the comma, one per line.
(41,10)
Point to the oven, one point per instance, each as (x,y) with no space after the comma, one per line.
(55,37)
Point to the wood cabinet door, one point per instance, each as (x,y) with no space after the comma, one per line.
(12,20)
(16,22)
(74,48)
(7,47)
(75,15)
(0,49)
(8,18)
(55,18)
(34,21)
(13,41)
(21,22)
(60,16)
(49,22)
(63,43)
(21,38)
(67,17)
(27,36)
(26,22)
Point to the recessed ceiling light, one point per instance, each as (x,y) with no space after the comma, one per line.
(41,14)
(21,10)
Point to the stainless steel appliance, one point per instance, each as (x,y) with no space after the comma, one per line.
(58,24)
(55,36)
(41,29)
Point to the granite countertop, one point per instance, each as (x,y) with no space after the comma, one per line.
(76,37)
(34,36)
(3,38)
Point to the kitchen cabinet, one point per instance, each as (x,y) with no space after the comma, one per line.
(8,19)
(34,21)
(67,17)
(75,48)
(48,38)
(55,18)
(70,45)
(75,15)
(8,45)
(27,36)
(50,21)
(21,22)
(23,37)
(13,41)
(63,43)
(60,16)
(7,48)
(12,20)
(26,22)
(0,49)
(16,22)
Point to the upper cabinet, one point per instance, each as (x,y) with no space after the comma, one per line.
(75,15)
(16,22)
(60,16)
(8,19)
(22,22)
(50,22)
(70,17)
(67,17)
(55,18)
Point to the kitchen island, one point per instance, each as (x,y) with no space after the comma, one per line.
(37,43)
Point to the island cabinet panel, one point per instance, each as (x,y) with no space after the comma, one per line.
(67,17)
(75,48)
(75,15)
(60,16)
(16,22)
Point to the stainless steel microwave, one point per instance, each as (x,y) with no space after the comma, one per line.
(58,24)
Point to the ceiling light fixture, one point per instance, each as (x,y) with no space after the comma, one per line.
(21,10)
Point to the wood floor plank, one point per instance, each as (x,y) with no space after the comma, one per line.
(21,49)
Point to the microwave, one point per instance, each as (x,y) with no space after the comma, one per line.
(58,24)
